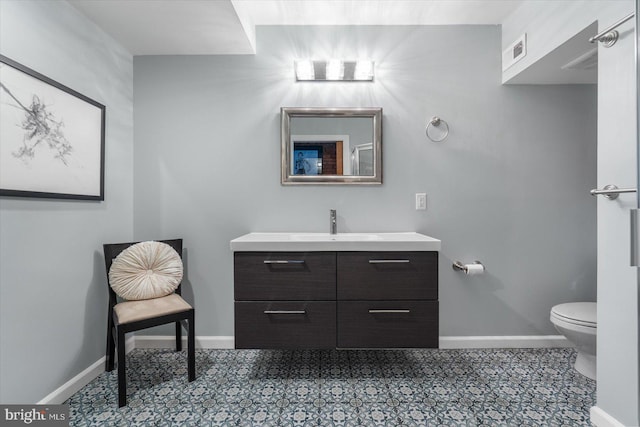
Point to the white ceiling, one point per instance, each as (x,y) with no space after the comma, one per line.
(552,68)
(170,27)
(209,27)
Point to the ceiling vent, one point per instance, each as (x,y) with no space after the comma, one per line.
(586,61)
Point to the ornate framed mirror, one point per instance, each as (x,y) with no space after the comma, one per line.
(331,146)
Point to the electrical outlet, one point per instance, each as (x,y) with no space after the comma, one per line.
(421,201)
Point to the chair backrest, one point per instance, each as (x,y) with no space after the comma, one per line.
(112,250)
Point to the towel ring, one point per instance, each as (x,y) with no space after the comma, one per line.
(434,124)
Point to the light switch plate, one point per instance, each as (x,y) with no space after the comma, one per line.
(421,201)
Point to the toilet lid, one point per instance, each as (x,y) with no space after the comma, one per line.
(582,312)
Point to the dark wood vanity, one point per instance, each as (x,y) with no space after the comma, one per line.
(342,299)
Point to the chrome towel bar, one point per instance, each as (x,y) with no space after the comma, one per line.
(611,191)
(608,37)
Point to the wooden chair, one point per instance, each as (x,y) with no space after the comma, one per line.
(129,316)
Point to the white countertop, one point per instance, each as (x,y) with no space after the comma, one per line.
(310,242)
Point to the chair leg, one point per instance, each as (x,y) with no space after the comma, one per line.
(178,336)
(191,349)
(110,343)
(122,375)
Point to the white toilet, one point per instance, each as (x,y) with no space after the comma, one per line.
(577,322)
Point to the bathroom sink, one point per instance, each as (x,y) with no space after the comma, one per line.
(341,237)
(299,241)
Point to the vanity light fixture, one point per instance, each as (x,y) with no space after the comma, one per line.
(364,70)
(305,70)
(334,70)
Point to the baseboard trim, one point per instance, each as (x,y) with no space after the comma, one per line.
(69,388)
(600,418)
(516,341)
(453,342)
(168,341)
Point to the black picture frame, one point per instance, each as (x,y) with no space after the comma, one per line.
(52,138)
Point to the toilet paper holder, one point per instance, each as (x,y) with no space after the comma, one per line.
(457,265)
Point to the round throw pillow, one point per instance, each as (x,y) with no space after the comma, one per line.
(146,270)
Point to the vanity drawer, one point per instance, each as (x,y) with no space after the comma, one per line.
(387,324)
(285,275)
(387,275)
(287,325)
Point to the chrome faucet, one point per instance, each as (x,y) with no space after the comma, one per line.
(333,223)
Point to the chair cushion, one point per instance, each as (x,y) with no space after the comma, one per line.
(146,270)
(132,311)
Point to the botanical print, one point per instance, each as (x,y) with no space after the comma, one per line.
(40,125)
(51,138)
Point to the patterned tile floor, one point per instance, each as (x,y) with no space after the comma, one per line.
(495,387)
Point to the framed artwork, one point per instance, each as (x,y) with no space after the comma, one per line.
(51,137)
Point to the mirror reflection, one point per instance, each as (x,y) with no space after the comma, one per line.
(362,159)
(316,153)
(331,146)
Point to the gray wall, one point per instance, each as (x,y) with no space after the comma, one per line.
(53,294)
(509,186)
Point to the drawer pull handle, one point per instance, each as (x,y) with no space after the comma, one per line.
(285,312)
(389,311)
(388,261)
(283,261)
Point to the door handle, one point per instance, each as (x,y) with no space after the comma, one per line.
(611,191)
(635,237)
